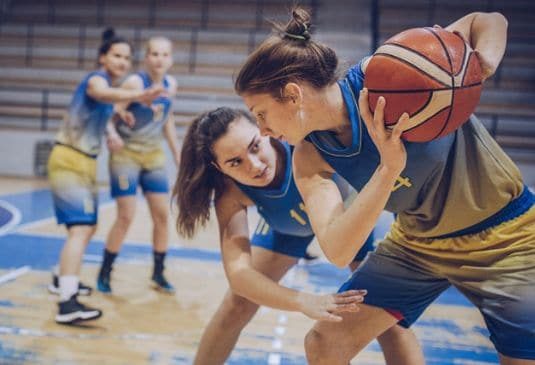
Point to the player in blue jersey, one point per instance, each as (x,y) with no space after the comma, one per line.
(464,216)
(72,167)
(225,157)
(137,158)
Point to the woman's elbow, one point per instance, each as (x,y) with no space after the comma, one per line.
(336,258)
(500,18)
(494,17)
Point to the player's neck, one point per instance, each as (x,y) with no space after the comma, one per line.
(329,109)
(156,78)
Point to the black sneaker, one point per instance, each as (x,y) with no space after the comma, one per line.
(103,281)
(160,283)
(72,311)
(82,288)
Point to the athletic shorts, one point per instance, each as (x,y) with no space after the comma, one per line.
(72,176)
(128,169)
(295,246)
(494,269)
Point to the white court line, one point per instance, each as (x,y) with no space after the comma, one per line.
(14,221)
(274,357)
(12,275)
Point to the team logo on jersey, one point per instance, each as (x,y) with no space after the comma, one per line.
(402,181)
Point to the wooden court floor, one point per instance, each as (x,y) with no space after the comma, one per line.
(142,326)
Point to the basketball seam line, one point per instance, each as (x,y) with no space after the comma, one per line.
(445,124)
(429,98)
(419,54)
(422,90)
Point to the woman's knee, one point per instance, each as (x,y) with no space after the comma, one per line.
(315,345)
(238,309)
(160,218)
(125,218)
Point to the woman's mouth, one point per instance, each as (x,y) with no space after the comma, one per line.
(262,174)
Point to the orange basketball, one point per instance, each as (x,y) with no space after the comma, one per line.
(430,73)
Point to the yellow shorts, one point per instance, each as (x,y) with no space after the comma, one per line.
(128,169)
(494,269)
(72,177)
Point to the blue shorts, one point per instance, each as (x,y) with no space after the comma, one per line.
(295,246)
(128,169)
(494,269)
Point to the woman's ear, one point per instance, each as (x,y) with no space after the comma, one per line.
(292,92)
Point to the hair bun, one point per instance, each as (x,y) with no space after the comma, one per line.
(108,34)
(298,27)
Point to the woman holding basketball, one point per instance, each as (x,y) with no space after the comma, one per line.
(224,156)
(464,216)
(72,167)
(137,158)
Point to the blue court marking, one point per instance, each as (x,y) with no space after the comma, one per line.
(41,252)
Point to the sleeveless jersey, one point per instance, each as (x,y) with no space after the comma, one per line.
(146,134)
(448,185)
(86,120)
(282,207)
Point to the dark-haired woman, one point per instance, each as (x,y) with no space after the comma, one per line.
(72,167)
(464,216)
(225,156)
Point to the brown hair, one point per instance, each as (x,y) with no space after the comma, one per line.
(290,55)
(198,179)
(109,38)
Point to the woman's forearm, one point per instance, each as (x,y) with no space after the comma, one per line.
(346,234)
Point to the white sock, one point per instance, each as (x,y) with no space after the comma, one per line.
(56,270)
(68,286)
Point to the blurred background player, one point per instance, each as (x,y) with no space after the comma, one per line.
(137,158)
(72,167)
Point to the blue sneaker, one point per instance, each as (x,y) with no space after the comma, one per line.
(160,283)
(103,281)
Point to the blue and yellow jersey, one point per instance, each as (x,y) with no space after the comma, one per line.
(449,185)
(86,120)
(146,134)
(282,207)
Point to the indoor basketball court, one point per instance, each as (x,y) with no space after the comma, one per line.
(144,326)
(48,47)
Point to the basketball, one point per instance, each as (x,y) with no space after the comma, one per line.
(430,73)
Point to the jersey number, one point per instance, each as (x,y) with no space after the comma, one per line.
(297,216)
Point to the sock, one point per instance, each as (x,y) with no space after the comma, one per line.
(56,270)
(159,258)
(68,286)
(107,260)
